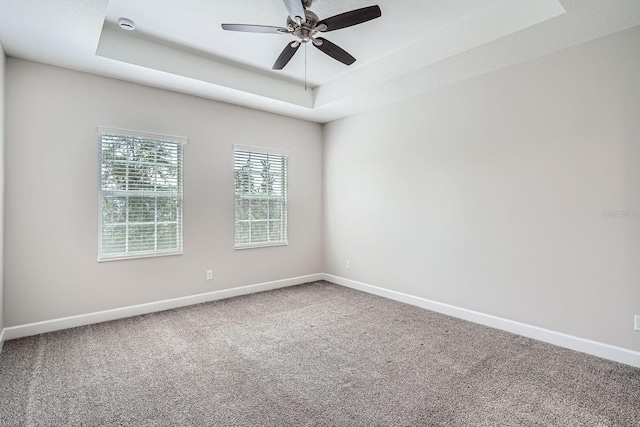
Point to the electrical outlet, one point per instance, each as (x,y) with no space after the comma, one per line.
(636,324)
(348,265)
(209,274)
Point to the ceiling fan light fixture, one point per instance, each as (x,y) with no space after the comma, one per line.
(126,24)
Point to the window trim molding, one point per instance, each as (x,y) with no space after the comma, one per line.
(142,134)
(260,245)
(260,150)
(110,130)
(126,257)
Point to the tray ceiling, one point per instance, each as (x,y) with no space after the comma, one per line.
(416,45)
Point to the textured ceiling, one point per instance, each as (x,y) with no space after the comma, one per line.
(416,46)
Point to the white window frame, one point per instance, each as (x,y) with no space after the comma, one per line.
(284,218)
(180,142)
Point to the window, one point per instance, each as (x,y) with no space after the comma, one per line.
(140,201)
(261,197)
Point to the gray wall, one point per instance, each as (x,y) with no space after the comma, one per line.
(489,194)
(51,194)
(2,68)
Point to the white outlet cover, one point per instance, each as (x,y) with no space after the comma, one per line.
(636,324)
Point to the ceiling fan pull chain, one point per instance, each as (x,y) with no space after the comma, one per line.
(305,67)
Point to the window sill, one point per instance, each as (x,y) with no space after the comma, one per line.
(139,256)
(261,245)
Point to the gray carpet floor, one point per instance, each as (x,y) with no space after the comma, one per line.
(315,354)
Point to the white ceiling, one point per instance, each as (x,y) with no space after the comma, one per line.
(416,46)
(197,25)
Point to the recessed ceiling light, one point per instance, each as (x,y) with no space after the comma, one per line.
(126,24)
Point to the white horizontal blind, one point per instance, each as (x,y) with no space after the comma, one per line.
(140,203)
(260,197)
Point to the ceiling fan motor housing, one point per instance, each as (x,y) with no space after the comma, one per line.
(306,30)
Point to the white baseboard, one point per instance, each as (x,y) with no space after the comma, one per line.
(135,310)
(606,351)
(594,348)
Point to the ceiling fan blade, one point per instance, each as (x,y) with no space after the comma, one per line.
(248,28)
(295,8)
(353,17)
(286,55)
(335,51)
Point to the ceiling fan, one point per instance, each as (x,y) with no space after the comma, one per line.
(305,25)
